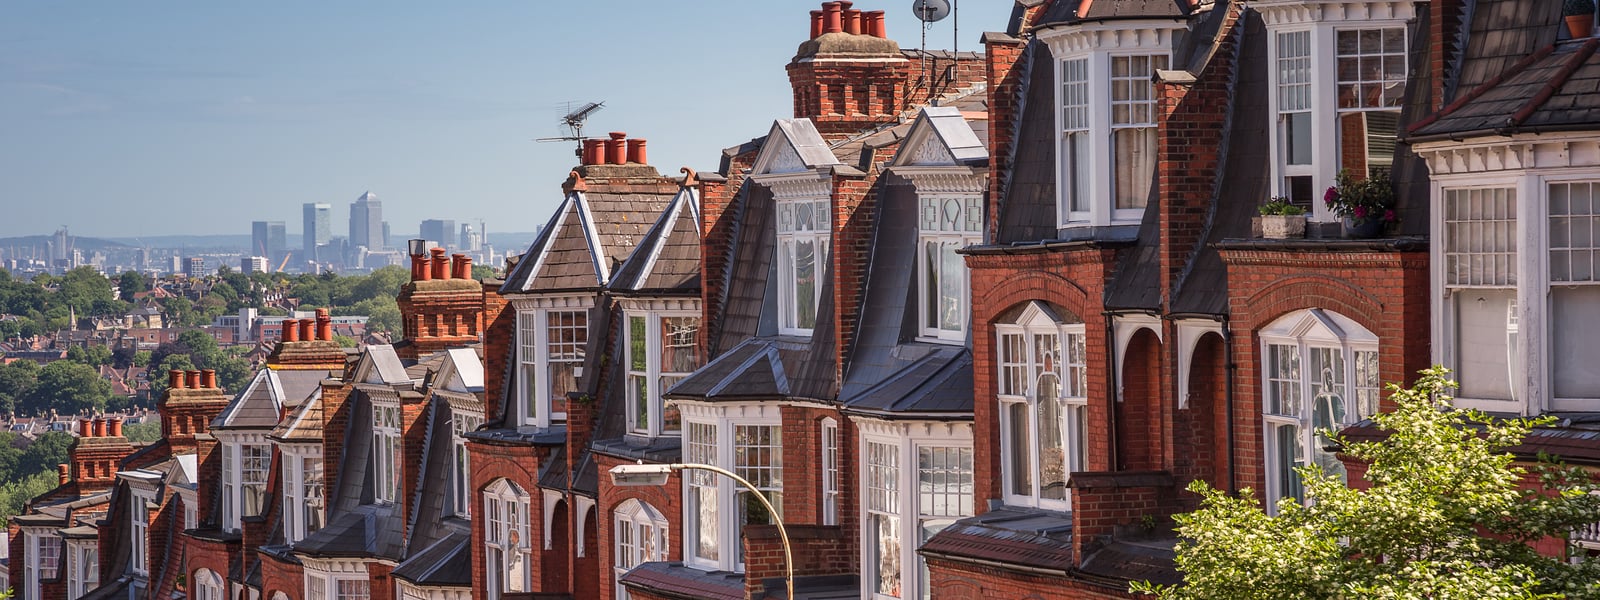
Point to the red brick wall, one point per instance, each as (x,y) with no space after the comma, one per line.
(207,554)
(667,499)
(1141,414)
(335,419)
(1385,292)
(1200,444)
(278,576)
(963,581)
(854,203)
(716,238)
(520,465)
(1005,81)
(413,442)
(499,328)
(816,550)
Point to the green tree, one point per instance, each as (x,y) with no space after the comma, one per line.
(141,358)
(68,388)
(15,494)
(1445,516)
(93,356)
(17,380)
(158,373)
(345,341)
(146,431)
(50,449)
(130,283)
(482,272)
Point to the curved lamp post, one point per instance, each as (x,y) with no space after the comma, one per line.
(656,475)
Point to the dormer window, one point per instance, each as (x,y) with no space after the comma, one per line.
(461,423)
(244,480)
(947,224)
(550,349)
(386,448)
(1106,116)
(662,349)
(803,233)
(302,490)
(1337,80)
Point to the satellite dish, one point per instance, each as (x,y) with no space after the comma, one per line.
(929,11)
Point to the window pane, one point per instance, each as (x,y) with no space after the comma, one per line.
(1288,457)
(944,482)
(952,288)
(1577,310)
(1134,153)
(637,339)
(1052,449)
(805,284)
(671,422)
(639,390)
(1283,380)
(679,337)
(1020,447)
(886,531)
(1486,334)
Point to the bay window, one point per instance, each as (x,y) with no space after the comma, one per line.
(1043,406)
(662,349)
(1320,375)
(641,537)
(946,225)
(208,585)
(1077,156)
(882,474)
(43,548)
(1294,131)
(1480,278)
(507,550)
(803,234)
(715,508)
(302,492)
(83,564)
(916,480)
(386,452)
(461,423)
(550,350)
(1371,71)
(1574,223)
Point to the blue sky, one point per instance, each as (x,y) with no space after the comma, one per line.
(122,119)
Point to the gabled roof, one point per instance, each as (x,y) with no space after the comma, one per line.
(446,563)
(938,383)
(257,407)
(462,371)
(381,365)
(368,531)
(1553,89)
(668,259)
(941,136)
(793,146)
(184,470)
(302,425)
(585,241)
(753,369)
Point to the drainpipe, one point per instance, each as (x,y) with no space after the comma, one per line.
(1116,391)
(1230,370)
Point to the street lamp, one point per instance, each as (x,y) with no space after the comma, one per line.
(641,474)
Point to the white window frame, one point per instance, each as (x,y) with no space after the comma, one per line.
(640,536)
(235,446)
(1293,399)
(1087,114)
(830,471)
(336,579)
(790,237)
(35,541)
(1283,16)
(304,490)
(1363,81)
(139,514)
(1134,105)
(905,501)
(461,423)
(387,451)
(208,585)
(936,227)
(1071,372)
(534,405)
(655,378)
(725,422)
(507,532)
(83,567)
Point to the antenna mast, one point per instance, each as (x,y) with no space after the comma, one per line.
(573,123)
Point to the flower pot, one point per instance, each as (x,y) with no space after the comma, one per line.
(1364,229)
(1581,26)
(1280,227)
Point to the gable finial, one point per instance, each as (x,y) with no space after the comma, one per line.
(574,183)
(689,178)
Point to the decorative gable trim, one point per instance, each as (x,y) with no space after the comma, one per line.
(1112,36)
(1275,13)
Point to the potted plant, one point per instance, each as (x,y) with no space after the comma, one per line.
(1282,220)
(1579,15)
(1367,205)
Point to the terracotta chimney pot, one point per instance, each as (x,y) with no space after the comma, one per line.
(852,22)
(63,474)
(875,26)
(291,330)
(424,270)
(831,17)
(208,378)
(175,379)
(85,427)
(441,265)
(460,266)
(324,325)
(308,330)
(636,153)
(816,24)
(193,378)
(616,152)
(594,152)
(97,427)
(114,427)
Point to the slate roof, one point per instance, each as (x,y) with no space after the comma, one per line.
(937,385)
(1552,89)
(1028,188)
(446,563)
(667,260)
(675,580)
(303,425)
(262,401)
(586,240)
(752,370)
(803,139)
(381,364)
(962,144)
(1066,12)
(367,531)
(1500,34)
(1009,535)
(746,284)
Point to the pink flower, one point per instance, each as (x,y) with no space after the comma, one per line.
(1389,215)
(1330,195)
(1361,212)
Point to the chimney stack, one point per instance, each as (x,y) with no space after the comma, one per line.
(636,152)
(308,330)
(175,379)
(441,266)
(193,378)
(324,325)
(114,427)
(63,474)
(831,17)
(208,378)
(291,330)
(615,151)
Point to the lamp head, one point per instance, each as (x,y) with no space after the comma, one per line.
(640,475)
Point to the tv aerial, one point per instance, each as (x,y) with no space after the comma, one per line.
(930,12)
(572,123)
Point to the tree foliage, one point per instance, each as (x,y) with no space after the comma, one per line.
(66,387)
(1445,516)
(148,430)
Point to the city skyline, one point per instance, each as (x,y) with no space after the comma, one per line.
(167,108)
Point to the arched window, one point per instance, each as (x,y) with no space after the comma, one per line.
(507,547)
(1320,372)
(1043,406)
(641,537)
(207,585)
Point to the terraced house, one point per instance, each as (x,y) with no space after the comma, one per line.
(968,322)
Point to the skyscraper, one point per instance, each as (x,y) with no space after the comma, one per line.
(316,230)
(439,231)
(366,222)
(267,240)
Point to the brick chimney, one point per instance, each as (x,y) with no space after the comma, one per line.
(441,307)
(307,344)
(848,77)
(94,458)
(188,407)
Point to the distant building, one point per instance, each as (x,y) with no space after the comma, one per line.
(366,222)
(267,240)
(175,266)
(439,231)
(196,268)
(254,264)
(386,235)
(471,240)
(316,230)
